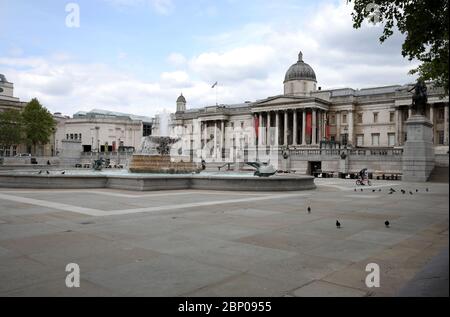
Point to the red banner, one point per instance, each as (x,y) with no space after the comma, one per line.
(309,123)
(256,123)
(327,129)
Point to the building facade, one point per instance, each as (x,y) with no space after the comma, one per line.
(308,117)
(104,131)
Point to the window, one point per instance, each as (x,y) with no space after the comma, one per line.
(360,140)
(67,137)
(375,139)
(332,119)
(360,118)
(76,136)
(242,124)
(391,116)
(375,117)
(344,118)
(440,137)
(14,152)
(71,136)
(440,115)
(79,136)
(391,139)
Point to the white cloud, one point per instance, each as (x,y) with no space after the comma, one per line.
(249,63)
(163,7)
(176,59)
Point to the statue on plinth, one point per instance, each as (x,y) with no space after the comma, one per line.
(420,98)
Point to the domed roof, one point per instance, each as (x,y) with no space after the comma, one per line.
(181,99)
(3,78)
(300,71)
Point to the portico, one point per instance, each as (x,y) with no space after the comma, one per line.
(291,121)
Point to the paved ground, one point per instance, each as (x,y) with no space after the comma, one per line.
(206,243)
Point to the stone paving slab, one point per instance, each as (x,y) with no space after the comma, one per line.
(224,244)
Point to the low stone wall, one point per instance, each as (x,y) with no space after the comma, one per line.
(158,182)
(52,182)
(442,160)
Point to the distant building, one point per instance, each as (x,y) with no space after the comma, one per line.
(105,131)
(305,115)
(369,124)
(9,102)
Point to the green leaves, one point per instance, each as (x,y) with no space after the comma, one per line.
(10,128)
(425,24)
(38,123)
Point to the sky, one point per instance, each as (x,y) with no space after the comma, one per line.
(137,56)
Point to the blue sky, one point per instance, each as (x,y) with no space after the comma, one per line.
(138,55)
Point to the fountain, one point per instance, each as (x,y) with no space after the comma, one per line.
(154,157)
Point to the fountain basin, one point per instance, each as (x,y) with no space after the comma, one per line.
(152,182)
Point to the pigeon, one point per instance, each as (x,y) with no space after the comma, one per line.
(390,193)
(309,209)
(393,190)
(355,189)
(362,189)
(379,190)
(40,172)
(410,192)
(403,192)
(338,224)
(373,190)
(48,173)
(417,190)
(64,172)
(386,223)
(426,190)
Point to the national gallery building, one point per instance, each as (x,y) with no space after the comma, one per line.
(306,118)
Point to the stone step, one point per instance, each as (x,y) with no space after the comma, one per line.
(439,175)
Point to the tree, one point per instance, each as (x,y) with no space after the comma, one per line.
(425,24)
(10,128)
(38,123)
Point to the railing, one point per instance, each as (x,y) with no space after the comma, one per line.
(367,152)
(376,152)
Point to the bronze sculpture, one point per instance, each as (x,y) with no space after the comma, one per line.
(420,97)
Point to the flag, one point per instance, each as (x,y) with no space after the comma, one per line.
(215,84)
(256,122)
(309,124)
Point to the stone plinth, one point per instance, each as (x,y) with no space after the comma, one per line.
(160,164)
(418,153)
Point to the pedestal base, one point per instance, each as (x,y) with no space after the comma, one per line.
(418,152)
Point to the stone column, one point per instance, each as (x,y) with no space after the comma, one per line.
(304,127)
(222,138)
(409,112)
(285,143)
(338,126)
(294,141)
(215,139)
(432,122)
(350,128)
(446,124)
(320,124)
(277,128)
(397,125)
(260,139)
(205,132)
(314,127)
(268,141)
